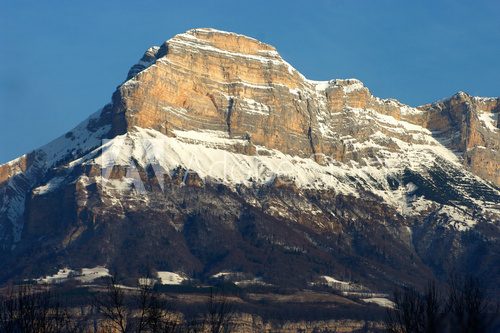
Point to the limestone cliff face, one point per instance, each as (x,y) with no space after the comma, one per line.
(218,81)
(469,126)
(211,80)
(206,79)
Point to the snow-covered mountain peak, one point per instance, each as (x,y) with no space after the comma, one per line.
(216,131)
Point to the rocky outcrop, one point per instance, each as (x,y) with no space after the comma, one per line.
(469,126)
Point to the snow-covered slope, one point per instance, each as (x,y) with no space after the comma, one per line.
(21,181)
(208,154)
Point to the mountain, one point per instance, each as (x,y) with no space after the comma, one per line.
(217,158)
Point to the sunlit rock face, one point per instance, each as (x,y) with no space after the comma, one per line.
(469,126)
(212,80)
(206,79)
(217,155)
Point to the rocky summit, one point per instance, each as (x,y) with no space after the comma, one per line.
(217,159)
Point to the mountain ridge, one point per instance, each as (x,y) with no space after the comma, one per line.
(309,167)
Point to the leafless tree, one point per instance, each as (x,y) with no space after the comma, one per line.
(434,311)
(220,313)
(159,318)
(468,305)
(192,326)
(463,310)
(27,310)
(407,315)
(111,305)
(139,310)
(415,312)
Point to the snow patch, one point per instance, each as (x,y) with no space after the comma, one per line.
(223,275)
(85,275)
(171,278)
(490,120)
(79,139)
(331,280)
(347,85)
(61,276)
(253,107)
(189,33)
(343,286)
(88,275)
(380,301)
(52,185)
(458,217)
(251,282)
(219,138)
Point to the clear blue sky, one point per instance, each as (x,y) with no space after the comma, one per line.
(61,60)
